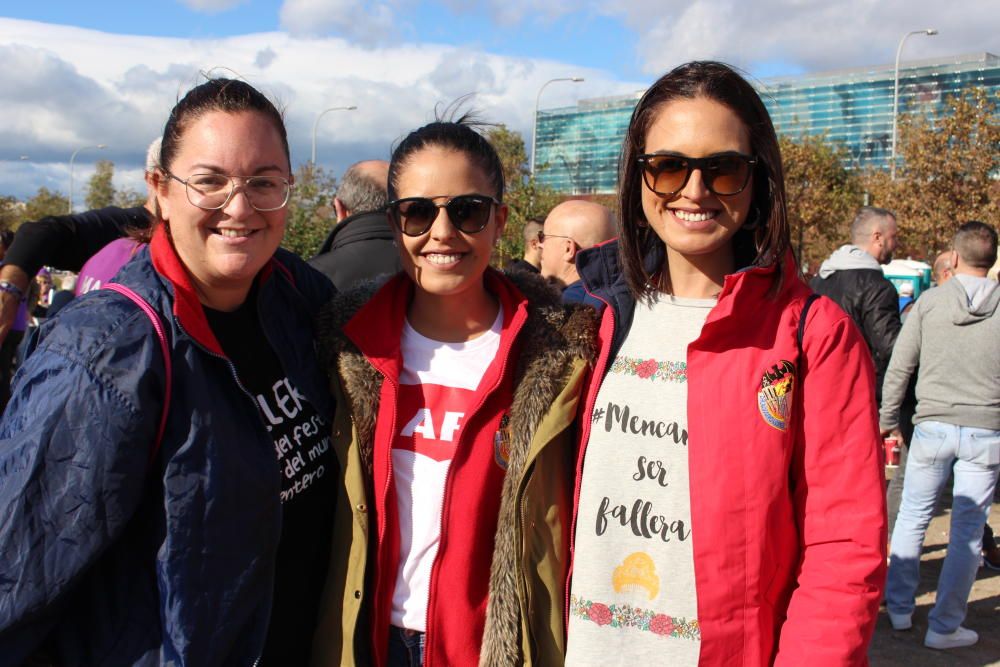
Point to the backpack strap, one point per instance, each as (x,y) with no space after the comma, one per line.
(154,318)
(802,320)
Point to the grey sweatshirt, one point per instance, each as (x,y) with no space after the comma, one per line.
(957,348)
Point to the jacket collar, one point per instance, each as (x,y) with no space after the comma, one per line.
(376,327)
(187,308)
(360,226)
(600,270)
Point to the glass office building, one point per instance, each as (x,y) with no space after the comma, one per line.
(577,147)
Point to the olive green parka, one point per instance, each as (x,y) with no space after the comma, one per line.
(526,608)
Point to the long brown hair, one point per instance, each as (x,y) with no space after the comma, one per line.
(762,244)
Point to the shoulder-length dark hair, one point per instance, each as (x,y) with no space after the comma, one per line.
(764,238)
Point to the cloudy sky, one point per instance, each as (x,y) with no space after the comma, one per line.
(78,74)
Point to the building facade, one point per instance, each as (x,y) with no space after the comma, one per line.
(577,147)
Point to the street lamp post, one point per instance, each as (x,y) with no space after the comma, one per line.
(534,128)
(72,158)
(895,94)
(316,125)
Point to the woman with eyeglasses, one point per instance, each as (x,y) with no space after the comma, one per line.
(173,506)
(730,495)
(459,386)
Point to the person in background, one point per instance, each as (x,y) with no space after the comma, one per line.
(532,259)
(942,269)
(66,242)
(361,246)
(570,227)
(852,276)
(905,299)
(457,389)
(730,505)
(10,344)
(187,525)
(953,335)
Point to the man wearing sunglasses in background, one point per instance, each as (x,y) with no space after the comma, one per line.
(571,227)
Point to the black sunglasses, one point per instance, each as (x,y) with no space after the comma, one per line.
(468,213)
(724,175)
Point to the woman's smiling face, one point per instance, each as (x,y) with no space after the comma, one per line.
(224,249)
(696,221)
(446,261)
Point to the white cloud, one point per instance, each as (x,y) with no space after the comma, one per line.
(812,36)
(513,12)
(369,23)
(67,87)
(264,58)
(211,6)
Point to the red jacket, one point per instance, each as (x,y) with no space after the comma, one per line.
(788,507)
(459,586)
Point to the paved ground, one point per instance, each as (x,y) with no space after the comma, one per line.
(906,649)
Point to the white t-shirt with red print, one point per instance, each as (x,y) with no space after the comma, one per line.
(437,390)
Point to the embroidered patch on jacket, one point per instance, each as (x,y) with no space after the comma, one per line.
(775,396)
(501,442)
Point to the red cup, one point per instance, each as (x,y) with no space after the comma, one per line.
(891,445)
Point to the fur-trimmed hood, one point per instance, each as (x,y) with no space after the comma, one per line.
(553,338)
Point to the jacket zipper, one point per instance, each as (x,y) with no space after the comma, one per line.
(444,501)
(232,371)
(380,594)
(599,373)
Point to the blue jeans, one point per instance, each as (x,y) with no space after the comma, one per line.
(975,455)
(406,647)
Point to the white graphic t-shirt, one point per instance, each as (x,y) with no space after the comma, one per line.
(633,591)
(437,389)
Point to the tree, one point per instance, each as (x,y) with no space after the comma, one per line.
(100,189)
(11,212)
(128,198)
(524,196)
(821,195)
(946,175)
(45,202)
(310,210)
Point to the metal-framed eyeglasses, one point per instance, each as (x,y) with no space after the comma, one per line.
(212,192)
(666,174)
(542,236)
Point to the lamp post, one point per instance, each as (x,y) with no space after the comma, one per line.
(534,128)
(895,94)
(316,125)
(72,158)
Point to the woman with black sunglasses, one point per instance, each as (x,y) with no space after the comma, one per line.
(459,387)
(730,506)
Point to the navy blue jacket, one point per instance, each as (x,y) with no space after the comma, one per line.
(118,561)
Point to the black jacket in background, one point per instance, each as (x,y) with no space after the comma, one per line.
(66,242)
(522,265)
(359,247)
(873,303)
